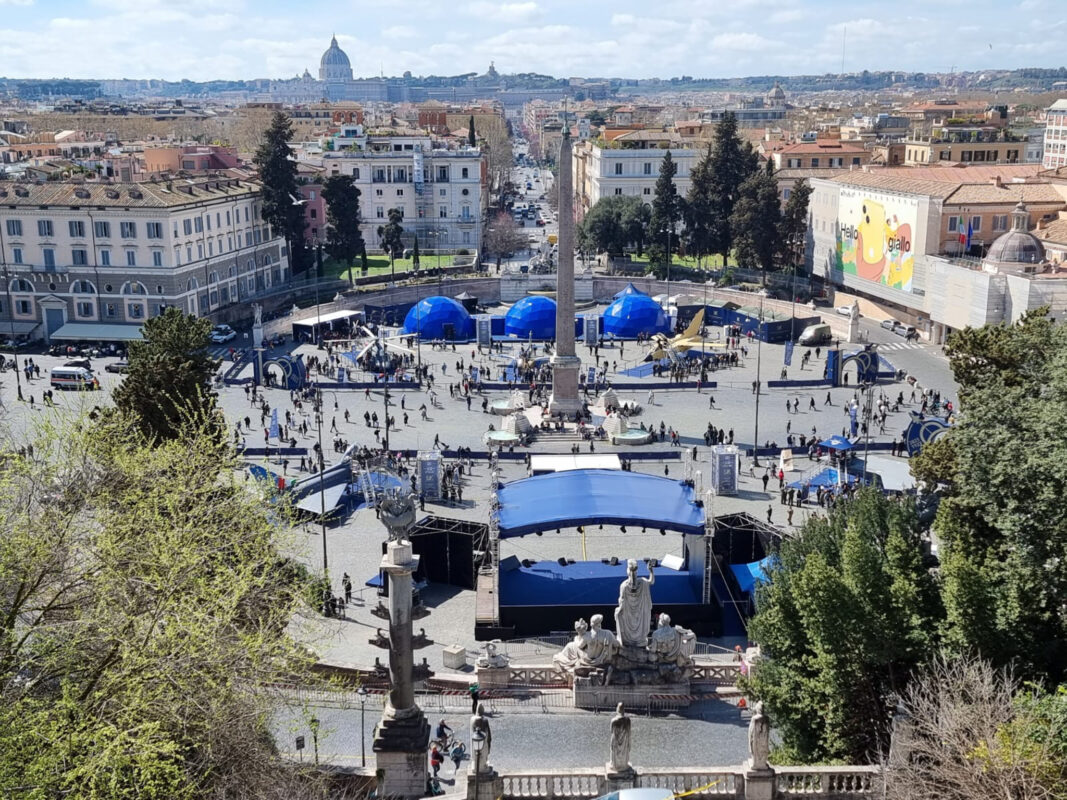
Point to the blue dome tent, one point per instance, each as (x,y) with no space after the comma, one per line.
(533,316)
(431,314)
(634,313)
(630,289)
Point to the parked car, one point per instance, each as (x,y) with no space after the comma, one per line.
(120,367)
(844,311)
(221,334)
(907,331)
(889,324)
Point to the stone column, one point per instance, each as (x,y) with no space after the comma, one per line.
(565,364)
(402,736)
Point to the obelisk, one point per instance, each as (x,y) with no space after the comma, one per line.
(565,364)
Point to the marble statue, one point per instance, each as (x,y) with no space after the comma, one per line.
(397,512)
(759,739)
(672,644)
(854,311)
(600,646)
(571,654)
(257,310)
(480,723)
(634,613)
(491,658)
(620,743)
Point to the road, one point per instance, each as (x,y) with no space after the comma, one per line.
(541,183)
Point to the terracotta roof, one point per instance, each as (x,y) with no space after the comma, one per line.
(891,181)
(823,146)
(1006,194)
(125,195)
(969,173)
(1056,231)
(787,173)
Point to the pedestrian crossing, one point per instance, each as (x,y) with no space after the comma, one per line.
(886,347)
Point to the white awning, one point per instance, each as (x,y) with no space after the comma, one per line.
(563,463)
(95,332)
(326,319)
(313,503)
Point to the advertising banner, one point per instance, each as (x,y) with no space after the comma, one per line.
(875,238)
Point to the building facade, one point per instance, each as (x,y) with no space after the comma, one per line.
(1056,135)
(915,246)
(118,253)
(441,192)
(605,171)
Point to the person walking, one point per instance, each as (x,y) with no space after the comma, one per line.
(770,511)
(346,584)
(766,479)
(473,691)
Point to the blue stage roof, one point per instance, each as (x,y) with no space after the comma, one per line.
(593,496)
(546,583)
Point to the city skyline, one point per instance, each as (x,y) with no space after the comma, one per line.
(201,40)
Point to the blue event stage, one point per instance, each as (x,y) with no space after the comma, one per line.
(528,598)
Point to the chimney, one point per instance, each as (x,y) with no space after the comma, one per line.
(997,182)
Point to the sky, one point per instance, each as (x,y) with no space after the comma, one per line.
(243,39)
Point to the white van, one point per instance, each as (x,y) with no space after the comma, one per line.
(73,378)
(815,334)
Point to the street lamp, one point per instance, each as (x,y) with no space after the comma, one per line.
(668,231)
(322,496)
(362,693)
(759,352)
(313,723)
(795,247)
(478,743)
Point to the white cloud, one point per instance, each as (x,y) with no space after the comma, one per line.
(742,41)
(503,12)
(400,32)
(623,19)
(787,15)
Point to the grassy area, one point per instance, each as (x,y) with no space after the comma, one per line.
(710,262)
(378,265)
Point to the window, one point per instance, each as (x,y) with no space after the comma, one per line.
(785,194)
(380,212)
(82,287)
(466,237)
(814,162)
(188,254)
(442,211)
(44,228)
(443,192)
(84,308)
(210,247)
(105,258)
(952,223)
(128,230)
(77,227)
(314,213)
(198,225)
(49,257)
(157,258)
(855,161)
(187,227)
(647,190)
(199,251)
(465,173)
(618,191)
(648,167)
(355,173)
(207,219)
(442,174)
(1000,222)
(131,258)
(618,168)
(399,192)
(78,257)
(23,308)
(379,192)
(102,229)
(228,218)
(793,163)
(14,227)
(109,309)
(16,255)
(135,310)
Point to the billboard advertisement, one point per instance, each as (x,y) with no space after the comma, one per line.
(875,236)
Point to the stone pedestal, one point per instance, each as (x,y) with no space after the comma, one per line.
(853,329)
(455,656)
(759,783)
(616,781)
(564,399)
(565,364)
(633,698)
(492,677)
(486,785)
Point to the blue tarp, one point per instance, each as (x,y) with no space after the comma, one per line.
(828,477)
(836,442)
(748,575)
(594,496)
(546,583)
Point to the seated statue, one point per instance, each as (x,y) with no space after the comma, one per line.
(672,644)
(571,654)
(599,646)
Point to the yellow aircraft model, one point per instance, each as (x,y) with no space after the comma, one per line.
(662,346)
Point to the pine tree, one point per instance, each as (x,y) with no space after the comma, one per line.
(667,212)
(699,208)
(277,173)
(391,235)
(794,224)
(755,222)
(471,139)
(732,163)
(344,240)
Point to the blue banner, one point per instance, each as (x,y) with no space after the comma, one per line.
(591,377)
(275,431)
(921,431)
(430,478)
(789,354)
(852,416)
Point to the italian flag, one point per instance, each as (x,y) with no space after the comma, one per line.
(961,228)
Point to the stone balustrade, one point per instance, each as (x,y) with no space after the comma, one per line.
(695,782)
(564,784)
(830,782)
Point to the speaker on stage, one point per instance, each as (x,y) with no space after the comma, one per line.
(510,563)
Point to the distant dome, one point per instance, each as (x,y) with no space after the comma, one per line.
(1017,246)
(634,313)
(533,316)
(431,314)
(335,65)
(775,95)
